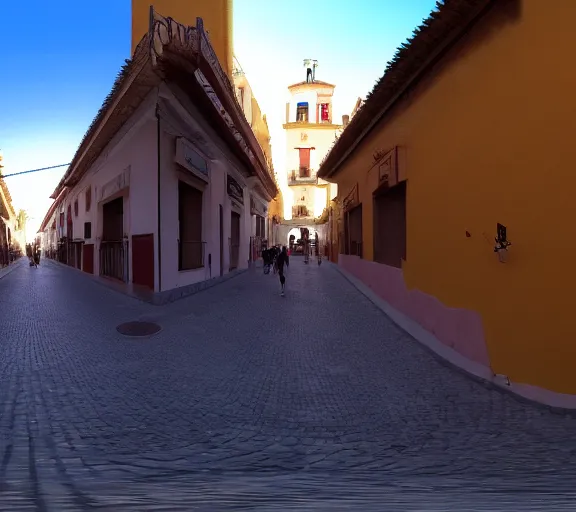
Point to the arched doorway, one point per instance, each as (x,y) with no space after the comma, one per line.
(293,237)
(296,235)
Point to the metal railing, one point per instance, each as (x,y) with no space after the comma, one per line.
(191,254)
(295,180)
(114,259)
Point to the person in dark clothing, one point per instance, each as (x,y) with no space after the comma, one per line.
(281,261)
(266,258)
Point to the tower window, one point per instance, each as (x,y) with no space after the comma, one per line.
(325,113)
(302,112)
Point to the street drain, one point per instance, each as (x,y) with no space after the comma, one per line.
(138,329)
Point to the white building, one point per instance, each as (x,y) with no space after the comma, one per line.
(310,133)
(162,191)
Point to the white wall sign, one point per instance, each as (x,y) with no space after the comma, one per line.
(191,160)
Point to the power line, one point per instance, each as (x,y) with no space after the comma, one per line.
(33,170)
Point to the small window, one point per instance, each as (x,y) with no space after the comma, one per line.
(302,112)
(87,230)
(88,198)
(76,208)
(325,113)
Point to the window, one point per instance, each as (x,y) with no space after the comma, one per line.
(260,226)
(390,226)
(87,230)
(302,112)
(88,198)
(299,211)
(190,245)
(353,231)
(324,112)
(76,208)
(304,162)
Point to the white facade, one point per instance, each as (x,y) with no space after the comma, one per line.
(310,133)
(128,168)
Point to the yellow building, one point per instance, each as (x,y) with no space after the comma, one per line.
(216,15)
(469,136)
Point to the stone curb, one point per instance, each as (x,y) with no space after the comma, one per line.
(161,298)
(450,357)
(16,264)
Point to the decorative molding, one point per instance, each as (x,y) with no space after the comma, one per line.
(387,162)
(189,158)
(116,184)
(234,189)
(352,199)
(256,208)
(209,91)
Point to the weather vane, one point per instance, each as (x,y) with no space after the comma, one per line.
(310,65)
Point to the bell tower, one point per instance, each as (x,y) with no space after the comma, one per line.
(216,14)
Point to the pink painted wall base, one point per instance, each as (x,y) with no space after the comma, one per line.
(458,329)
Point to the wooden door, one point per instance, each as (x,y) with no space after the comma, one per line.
(234,240)
(88,258)
(143,260)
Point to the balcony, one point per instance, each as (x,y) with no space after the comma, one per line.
(304,176)
(300,211)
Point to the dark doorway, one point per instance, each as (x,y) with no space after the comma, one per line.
(234,240)
(113,220)
(88,258)
(191,246)
(353,231)
(78,254)
(143,260)
(221,240)
(113,248)
(390,226)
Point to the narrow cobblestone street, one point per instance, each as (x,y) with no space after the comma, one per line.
(247,400)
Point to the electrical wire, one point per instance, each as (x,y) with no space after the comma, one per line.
(33,170)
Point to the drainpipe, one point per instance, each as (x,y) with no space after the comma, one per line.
(159,210)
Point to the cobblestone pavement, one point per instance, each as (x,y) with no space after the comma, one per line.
(251,401)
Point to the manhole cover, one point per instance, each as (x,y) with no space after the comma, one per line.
(138,329)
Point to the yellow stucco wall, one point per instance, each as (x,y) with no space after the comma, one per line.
(217,16)
(490,137)
(261,131)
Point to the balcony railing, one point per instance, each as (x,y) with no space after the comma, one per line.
(304,175)
(295,180)
(190,254)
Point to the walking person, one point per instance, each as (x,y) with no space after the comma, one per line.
(281,261)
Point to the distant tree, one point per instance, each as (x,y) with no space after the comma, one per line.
(21,220)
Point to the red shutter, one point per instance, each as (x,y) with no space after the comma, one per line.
(305,157)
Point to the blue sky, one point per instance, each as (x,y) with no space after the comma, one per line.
(59,63)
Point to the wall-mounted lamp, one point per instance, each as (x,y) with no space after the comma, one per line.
(502,243)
